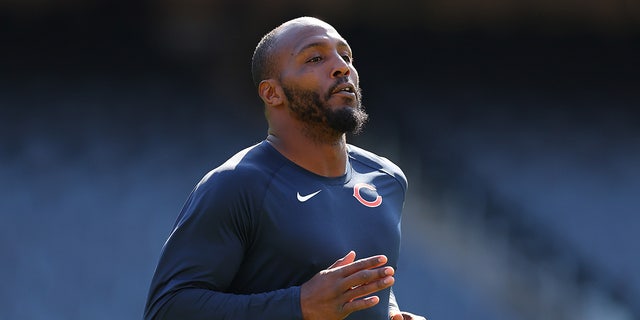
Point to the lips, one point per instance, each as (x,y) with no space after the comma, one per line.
(345,88)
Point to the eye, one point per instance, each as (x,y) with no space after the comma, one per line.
(315,59)
(347,58)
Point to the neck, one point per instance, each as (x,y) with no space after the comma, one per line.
(325,158)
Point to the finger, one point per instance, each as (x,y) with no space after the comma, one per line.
(394,313)
(369,288)
(366,276)
(349,258)
(357,305)
(409,316)
(397,316)
(362,264)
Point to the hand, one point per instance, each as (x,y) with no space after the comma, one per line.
(400,315)
(336,292)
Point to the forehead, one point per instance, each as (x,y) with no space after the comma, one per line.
(298,36)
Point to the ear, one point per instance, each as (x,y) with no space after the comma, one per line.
(271,92)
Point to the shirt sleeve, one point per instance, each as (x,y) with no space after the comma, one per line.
(194,303)
(393,303)
(202,255)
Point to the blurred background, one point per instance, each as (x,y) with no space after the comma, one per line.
(516,123)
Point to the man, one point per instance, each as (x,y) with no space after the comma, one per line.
(256,234)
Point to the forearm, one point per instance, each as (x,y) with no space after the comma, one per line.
(396,314)
(196,304)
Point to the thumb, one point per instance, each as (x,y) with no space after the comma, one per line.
(394,315)
(349,258)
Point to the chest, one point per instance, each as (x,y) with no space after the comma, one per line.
(312,223)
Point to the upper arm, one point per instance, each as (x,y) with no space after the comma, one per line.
(207,244)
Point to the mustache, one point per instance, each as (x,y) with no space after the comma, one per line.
(343,80)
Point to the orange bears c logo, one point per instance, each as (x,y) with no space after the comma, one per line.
(357,195)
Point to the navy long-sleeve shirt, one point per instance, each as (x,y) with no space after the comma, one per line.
(257,227)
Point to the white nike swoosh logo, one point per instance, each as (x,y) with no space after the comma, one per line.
(307,197)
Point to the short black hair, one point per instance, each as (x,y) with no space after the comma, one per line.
(262,66)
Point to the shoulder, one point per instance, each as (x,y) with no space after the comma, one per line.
(234,191)
(377,162)
(247,170)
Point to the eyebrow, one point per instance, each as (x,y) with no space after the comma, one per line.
(316,44)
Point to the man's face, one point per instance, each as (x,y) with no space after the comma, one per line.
(319,80)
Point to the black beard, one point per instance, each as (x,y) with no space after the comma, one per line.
(308,107)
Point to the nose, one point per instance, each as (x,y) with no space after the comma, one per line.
(341,68)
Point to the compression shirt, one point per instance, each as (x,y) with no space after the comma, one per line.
(257,227)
